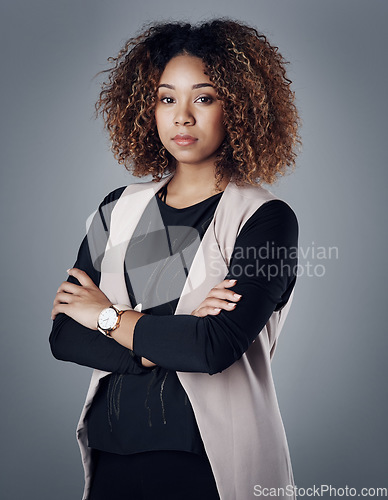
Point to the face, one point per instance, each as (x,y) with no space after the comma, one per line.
(188,115)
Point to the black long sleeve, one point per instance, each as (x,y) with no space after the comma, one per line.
(264,263)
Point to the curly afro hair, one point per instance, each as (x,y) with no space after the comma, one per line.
(260,117)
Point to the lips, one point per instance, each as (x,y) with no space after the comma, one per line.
(184,139)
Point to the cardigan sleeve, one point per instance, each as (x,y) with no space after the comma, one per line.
(71,341)
(264,262)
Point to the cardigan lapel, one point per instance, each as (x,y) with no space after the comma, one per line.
(125,217)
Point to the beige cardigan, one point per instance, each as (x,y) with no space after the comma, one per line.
(236,410)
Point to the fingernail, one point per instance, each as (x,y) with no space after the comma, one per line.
(67,270)
(237,296)
(232,281)
(231,304)
(217,309)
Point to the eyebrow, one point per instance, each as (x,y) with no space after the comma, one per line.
(194,87)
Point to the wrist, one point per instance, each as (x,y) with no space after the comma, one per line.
(124,333)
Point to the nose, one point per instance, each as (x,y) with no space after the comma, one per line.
(184,115)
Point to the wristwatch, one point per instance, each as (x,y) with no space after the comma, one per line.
(109,319)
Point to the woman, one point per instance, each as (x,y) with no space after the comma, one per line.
(182,283)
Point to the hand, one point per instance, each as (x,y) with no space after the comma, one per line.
(83,303)
(218,298)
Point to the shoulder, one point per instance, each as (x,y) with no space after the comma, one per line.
(133,188)
(250,192)
(274,220)
(270,211)
(113,196)
(278,211)
(109,202)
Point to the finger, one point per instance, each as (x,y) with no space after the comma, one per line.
(58,308)
(222,293)
(63,297)
(218,303)
(68,287)
(208,311)
(81,276)
(226,283)
(212,310)
(202,312)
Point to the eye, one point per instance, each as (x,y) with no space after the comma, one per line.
(167,100)
(205,99)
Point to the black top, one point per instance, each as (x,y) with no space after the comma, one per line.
(137,408)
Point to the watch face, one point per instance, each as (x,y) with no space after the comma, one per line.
(107,319)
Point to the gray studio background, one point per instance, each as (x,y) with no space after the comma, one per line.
(330,367)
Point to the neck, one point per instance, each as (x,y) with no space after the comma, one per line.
(194,180)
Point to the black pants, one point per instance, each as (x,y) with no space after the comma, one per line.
(156,475)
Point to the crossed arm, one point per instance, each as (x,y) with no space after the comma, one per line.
(211,338)
(84,302)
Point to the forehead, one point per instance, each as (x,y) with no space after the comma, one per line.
(184,70)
